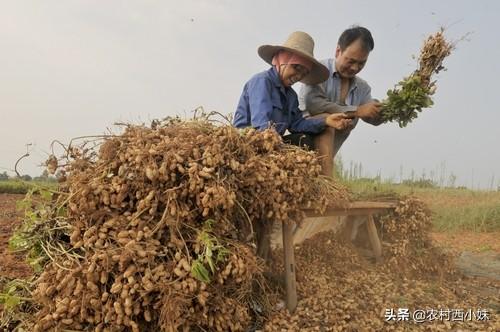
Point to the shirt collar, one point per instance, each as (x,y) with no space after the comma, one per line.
(273,74)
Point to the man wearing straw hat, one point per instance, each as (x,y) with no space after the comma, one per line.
(268,100)
(343,91)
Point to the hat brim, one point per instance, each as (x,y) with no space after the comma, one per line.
(319,73)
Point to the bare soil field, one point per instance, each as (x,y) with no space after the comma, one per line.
(469,241)
(11,264)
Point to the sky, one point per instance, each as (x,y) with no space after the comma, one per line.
(74,68)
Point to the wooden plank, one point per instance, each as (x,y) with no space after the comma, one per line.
(375,205)
(374,239)
(290,279)
(354,209)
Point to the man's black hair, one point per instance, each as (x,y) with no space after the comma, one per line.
(354,33)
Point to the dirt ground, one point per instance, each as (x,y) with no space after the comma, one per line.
(354,294)
(477,254)
(469,241)
(340,290)
(12,265)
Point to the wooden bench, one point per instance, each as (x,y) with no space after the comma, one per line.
(354,209)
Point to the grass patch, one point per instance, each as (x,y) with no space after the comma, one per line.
(469,218)
(453,209)
(22,187)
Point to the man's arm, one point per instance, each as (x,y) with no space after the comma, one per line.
(316,102)
(298,124)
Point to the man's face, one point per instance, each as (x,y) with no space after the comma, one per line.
(350,61)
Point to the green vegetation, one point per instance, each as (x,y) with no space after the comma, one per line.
(18,186)
(414,92)
(453,209)
(404,102)
(463,209)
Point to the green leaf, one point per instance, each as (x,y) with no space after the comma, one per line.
(199,272)
(222,254)
(23,205)
(210,263)
(207,225)
(10,301)
(17,243)
(62,212)
(46,195)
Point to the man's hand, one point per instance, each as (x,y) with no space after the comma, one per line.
(339,121)
(369,111)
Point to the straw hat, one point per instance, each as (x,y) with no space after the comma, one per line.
(302,44)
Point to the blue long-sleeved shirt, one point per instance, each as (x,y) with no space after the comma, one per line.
(265,101)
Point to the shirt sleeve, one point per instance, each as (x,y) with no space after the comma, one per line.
(316,101)
(367,96)
(260,102)
(299,124)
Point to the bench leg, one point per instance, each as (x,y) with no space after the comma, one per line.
(290,280)
(374,239)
